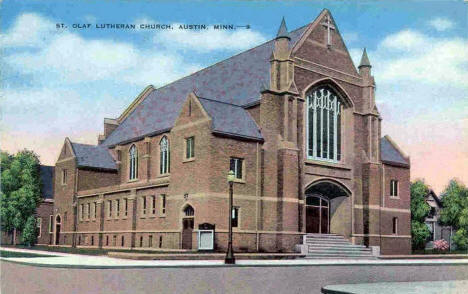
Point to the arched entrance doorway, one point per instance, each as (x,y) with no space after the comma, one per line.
(58,225)
(323,199)
(187,226)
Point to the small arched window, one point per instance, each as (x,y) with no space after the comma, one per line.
(323,125)
(133,162)
(189,211)
(164,156)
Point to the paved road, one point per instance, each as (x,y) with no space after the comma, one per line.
(18,278)
(438,287)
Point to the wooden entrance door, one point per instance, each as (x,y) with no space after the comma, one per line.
(317,220)
(187,230)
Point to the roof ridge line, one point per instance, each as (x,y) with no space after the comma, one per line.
(84,144)
(209,99)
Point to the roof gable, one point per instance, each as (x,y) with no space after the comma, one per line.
(433,195)
(230,119)
(312,45)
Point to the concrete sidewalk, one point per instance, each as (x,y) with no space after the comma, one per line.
(66,260)
(428,287)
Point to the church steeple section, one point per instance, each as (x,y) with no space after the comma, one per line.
(364,60)
(368,82)
(282,31)
(372,119)
(281,64)
(364,65)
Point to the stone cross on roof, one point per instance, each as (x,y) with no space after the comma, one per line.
(329,27)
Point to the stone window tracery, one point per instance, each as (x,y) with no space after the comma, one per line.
(324,111)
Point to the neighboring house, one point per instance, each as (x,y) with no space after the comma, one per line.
(45,211)
(432,220)
(293,118)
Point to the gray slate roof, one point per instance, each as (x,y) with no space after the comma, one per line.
(237,80)
(93,156)
(47,179)
(231,119)
(389,153)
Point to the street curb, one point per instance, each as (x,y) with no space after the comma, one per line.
(75,266)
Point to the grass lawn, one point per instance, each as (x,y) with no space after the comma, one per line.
(20,254)
(93,251)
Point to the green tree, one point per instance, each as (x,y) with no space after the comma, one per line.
(20,189)
(419,234)
(455,212)
(419,211)
(30,231)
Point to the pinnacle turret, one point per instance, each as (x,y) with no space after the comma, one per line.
(364,60)
(283,30)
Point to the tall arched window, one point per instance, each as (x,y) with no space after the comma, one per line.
(164,160)
(323,125)
(133,162)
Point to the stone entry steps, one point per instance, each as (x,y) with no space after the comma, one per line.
(332,246)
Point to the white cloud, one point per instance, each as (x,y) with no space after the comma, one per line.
(410,55)
(208,40)
(406,40)
(75,60)
(441,24)
(67,58)
(29,30)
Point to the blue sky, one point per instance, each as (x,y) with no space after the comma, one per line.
(62,82)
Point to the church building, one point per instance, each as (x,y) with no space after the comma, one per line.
(293,119)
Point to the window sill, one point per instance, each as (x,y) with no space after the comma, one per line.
(336,164)
(188,159)
(239,181)
(132,180)
(394,197)
(163,175)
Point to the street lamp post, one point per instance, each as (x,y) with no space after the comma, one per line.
(230,259)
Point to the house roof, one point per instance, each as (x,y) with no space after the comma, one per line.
(230,119)
(389,152)
(90,156)
(47,179)
(436,198)
(237,80)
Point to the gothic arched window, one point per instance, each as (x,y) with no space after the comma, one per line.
(133,162)
(188,211)
(323,125)
(164,160)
